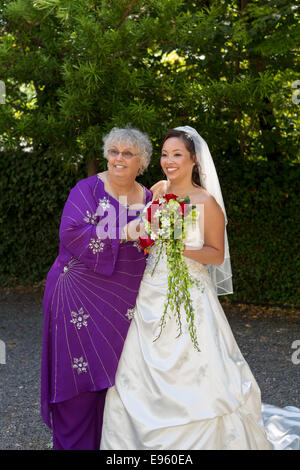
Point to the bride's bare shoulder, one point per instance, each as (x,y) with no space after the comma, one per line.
(201,196)
(212,209)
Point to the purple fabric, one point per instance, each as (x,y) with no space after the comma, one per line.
(90,290)
(77,423)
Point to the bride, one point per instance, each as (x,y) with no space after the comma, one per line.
(167,394)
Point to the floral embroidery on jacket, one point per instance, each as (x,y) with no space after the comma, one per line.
(80,365)
(137,246)
(104,203)
(90,218)
(79,318)
(96,245)
(130,313)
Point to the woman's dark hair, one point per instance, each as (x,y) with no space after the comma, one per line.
(189,145)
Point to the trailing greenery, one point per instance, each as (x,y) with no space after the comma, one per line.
(166,222)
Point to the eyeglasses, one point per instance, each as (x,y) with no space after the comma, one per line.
(115,153)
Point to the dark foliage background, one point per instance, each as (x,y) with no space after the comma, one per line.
(73,69)
(262,203)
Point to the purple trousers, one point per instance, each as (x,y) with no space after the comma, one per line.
(77,423)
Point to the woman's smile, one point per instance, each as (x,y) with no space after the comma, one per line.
(118,166)
(171,169)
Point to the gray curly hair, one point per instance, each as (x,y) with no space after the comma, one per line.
(133,138)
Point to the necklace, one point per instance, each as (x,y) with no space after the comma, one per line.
(110,190)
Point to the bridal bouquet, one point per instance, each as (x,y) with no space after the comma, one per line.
(166,221)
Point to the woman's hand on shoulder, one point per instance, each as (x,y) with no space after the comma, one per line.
(159,189)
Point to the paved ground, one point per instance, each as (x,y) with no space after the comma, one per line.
(265,337)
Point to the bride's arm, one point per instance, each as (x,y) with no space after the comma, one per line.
(212,251)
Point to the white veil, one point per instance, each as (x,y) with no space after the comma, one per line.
(221,275)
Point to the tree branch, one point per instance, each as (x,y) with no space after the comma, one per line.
(125,14)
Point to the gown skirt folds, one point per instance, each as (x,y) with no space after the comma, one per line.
(169,396)
(90,292)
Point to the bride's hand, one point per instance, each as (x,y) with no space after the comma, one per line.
(159,189)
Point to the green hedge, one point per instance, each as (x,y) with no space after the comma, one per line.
(263,207)
(262,204)
(33,191)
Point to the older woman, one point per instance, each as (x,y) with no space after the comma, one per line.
(90,292)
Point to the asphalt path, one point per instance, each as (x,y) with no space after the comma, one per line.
(266,337)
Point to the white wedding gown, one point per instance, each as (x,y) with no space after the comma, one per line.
(168,395)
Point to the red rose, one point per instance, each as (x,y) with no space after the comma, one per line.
(146,243)
(170,196)
(151,210)
(182,207)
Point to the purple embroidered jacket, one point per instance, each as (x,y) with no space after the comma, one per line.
(90,294)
